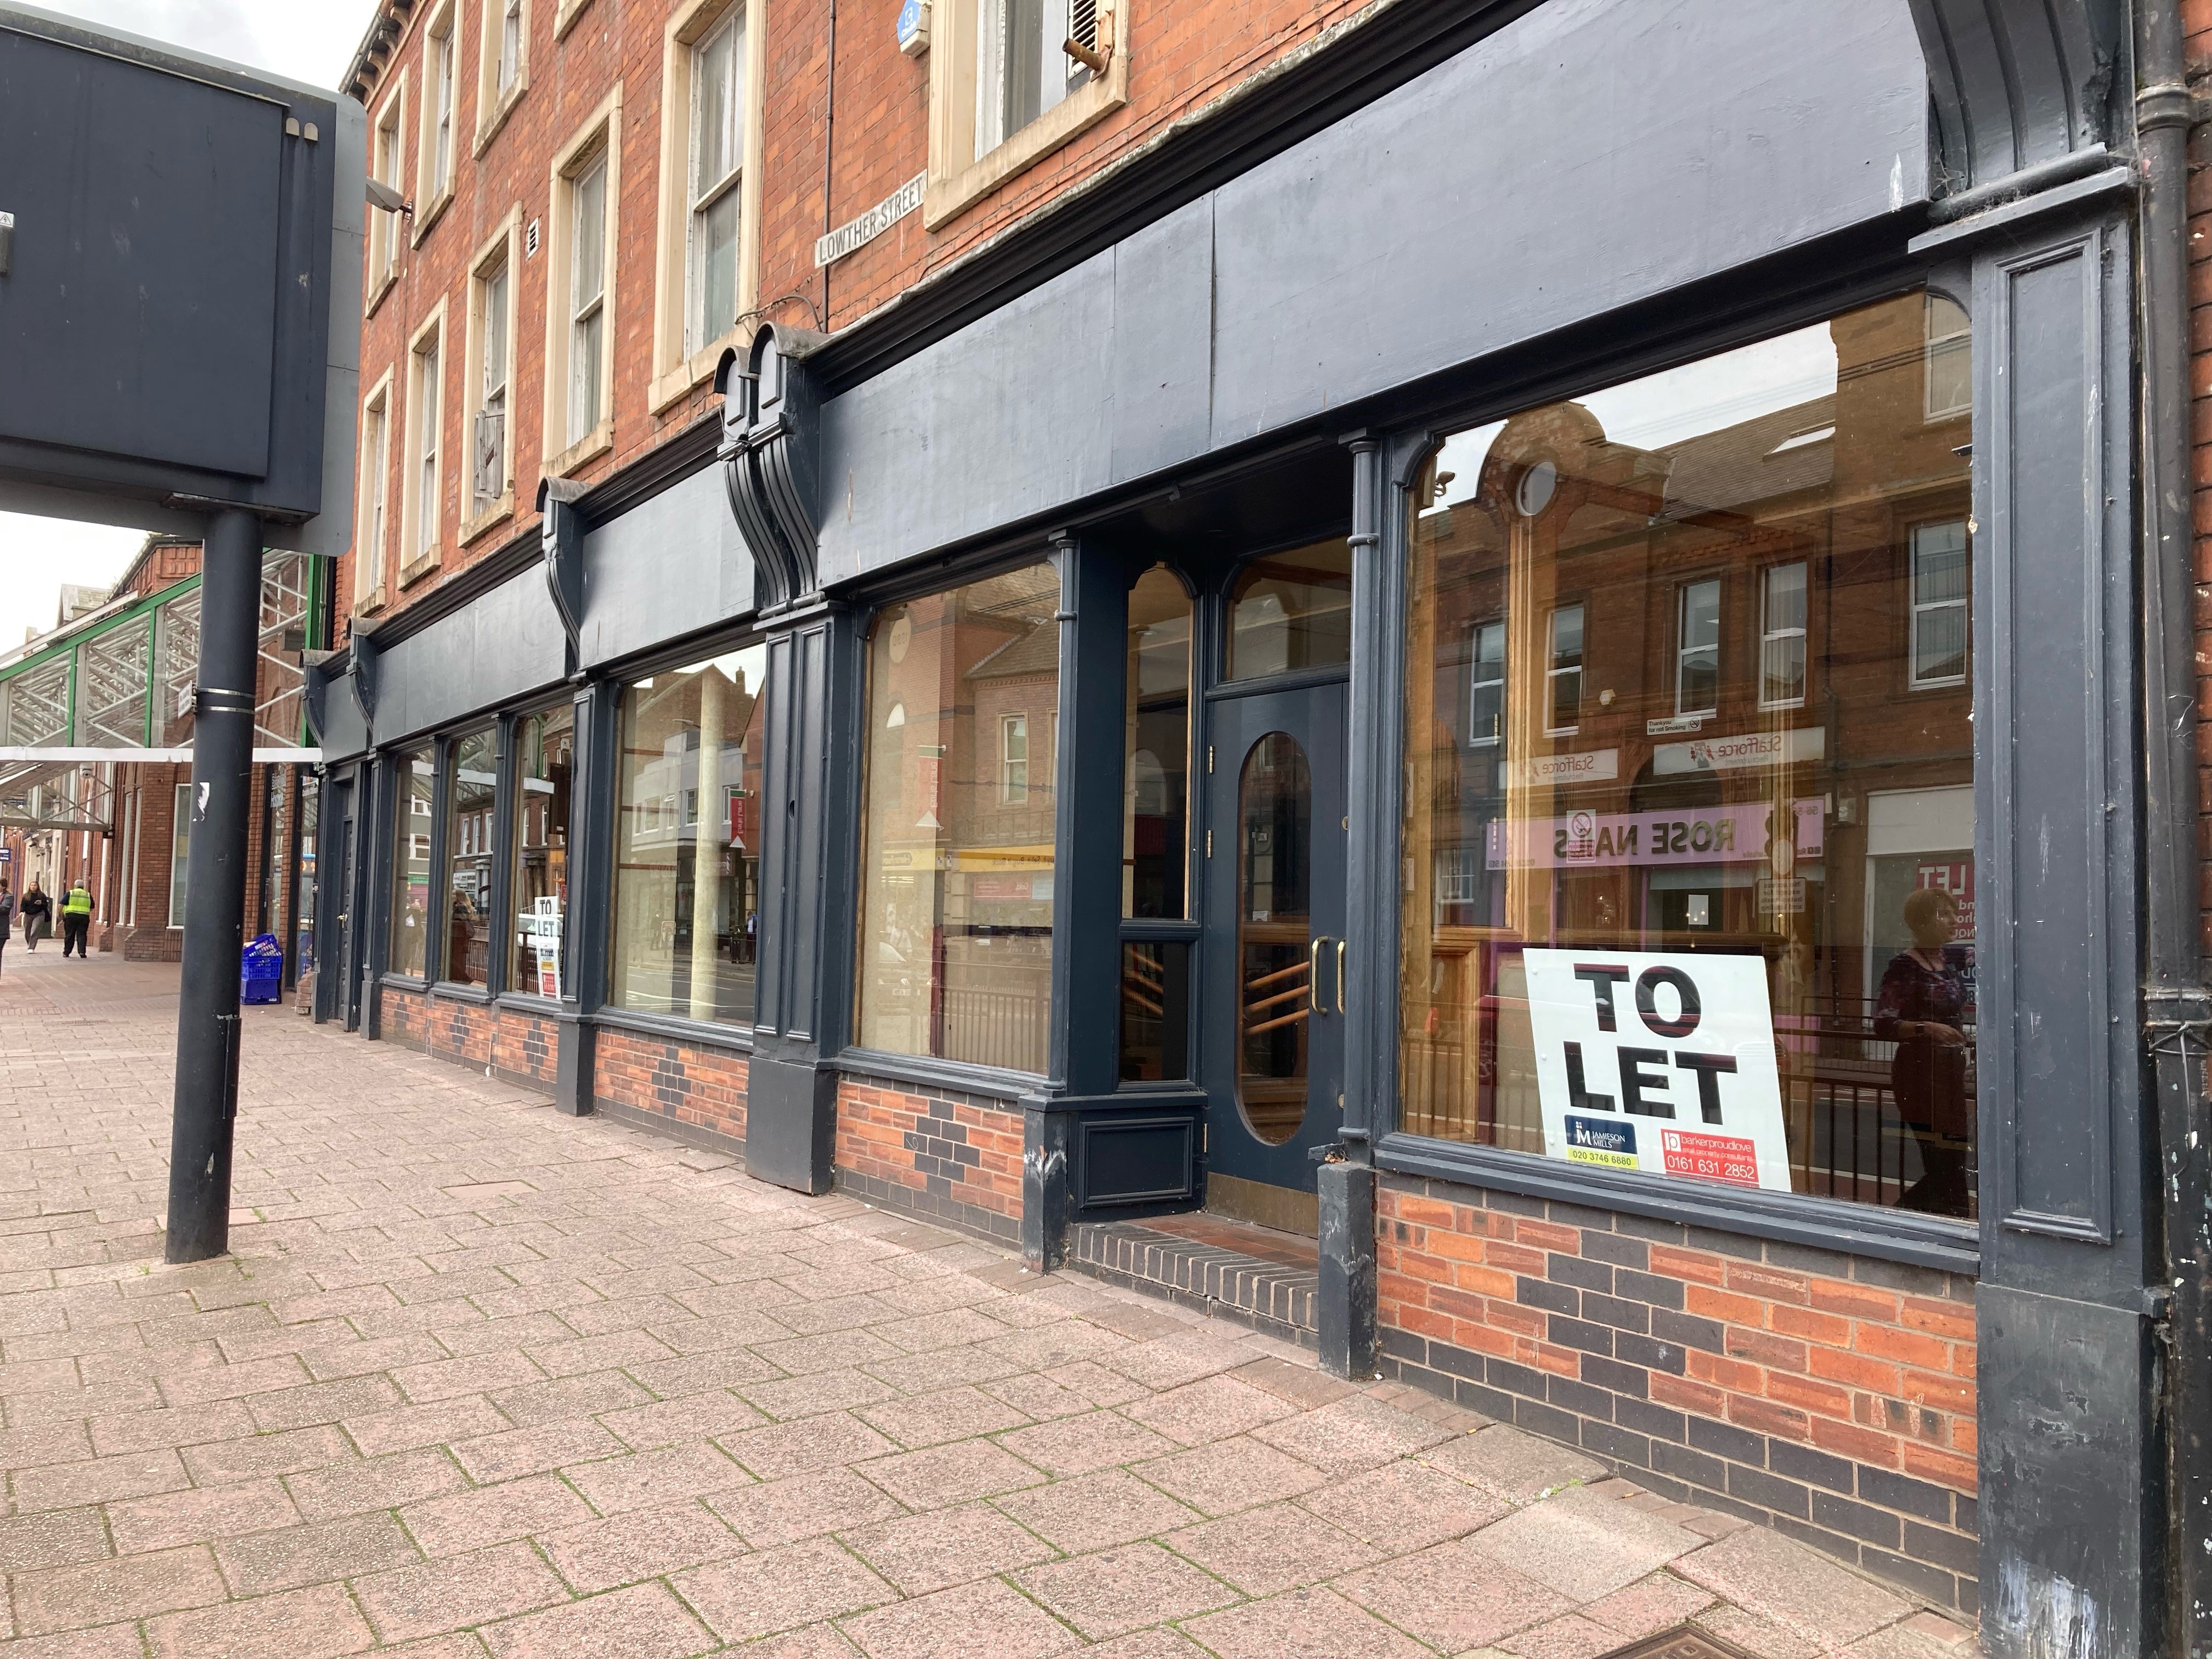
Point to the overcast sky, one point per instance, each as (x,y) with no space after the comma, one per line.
(310,40)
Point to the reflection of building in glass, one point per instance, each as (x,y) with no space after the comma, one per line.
(686,931)
(964,701)
(1696,682)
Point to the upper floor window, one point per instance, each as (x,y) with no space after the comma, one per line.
(422,443)
(1021,68)
(1949,382)
(510,44)
(428,420)
(718,155)
(1782,637)
(587,297)
(1698,649)
(369,543)
(1014,760)
(1939,603)
(502,64)
(384,166)
(439,148)
(488,453)
(1563,678)
(1486,685)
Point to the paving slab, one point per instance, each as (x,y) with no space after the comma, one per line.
(482,1382)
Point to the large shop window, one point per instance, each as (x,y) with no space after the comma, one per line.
(538,880)
(471,790)
(1689,877)
(687,874)
(956,934)
(415,774)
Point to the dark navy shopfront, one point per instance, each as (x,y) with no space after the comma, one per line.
(1186,731)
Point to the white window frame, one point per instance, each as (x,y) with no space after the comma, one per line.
(386,164)
(1554,673)
(441,114)
(1770,636)
(498,90)
(1013,727)
(599,137)
(1684,650)
(703,195)
(1476,682)
(422,486)
(1920,608)
(373,531)
(961,171)
(1936,346)
(500,252)
(682,364)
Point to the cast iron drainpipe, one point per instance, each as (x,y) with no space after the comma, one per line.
(2176,1006)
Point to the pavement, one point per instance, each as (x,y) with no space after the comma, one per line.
(479,1379)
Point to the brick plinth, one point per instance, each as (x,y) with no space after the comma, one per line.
(689,1084)
(953,1157)
(517,1044)
(1829,1396)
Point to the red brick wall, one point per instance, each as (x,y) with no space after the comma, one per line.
(686,1082)
(1830,1397)
(519,1045)
(954,1157)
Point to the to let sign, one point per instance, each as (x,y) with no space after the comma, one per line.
(1664,1064)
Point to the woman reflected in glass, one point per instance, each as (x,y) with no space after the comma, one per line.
(1927,1001)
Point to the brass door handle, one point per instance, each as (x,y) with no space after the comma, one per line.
(1340,976)
(1313,976)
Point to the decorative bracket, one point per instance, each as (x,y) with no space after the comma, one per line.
(770,455)
(561,531)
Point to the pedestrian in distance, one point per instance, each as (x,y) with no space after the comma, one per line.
(38,913)
(7,915)
(76,918)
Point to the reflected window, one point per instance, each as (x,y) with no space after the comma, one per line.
(687,840)
(538,868)
(1698,653)
(1275,935)
(1291,611)
(1703,920)
(1156,754)
(1563,679)
(471,790)
(415,774)
(957,872)
(1939,603)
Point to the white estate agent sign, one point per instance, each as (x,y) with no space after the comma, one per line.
(1660,1063)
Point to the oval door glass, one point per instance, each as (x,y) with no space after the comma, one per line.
(1274,936)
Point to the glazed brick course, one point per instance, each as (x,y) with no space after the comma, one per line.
(1829,1396)
(688,1083)
(956,1157)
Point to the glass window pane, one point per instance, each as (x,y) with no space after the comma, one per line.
(537,871)
(687,840)
(181,847)
(1156,755)
(1291,611)
(1806,871)
(1275,935)
(584,352)
(416,776)
(1154,1011)
(714,76)
(471,788)
(956,879)
(590,230)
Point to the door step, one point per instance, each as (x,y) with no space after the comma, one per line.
(1261,1278)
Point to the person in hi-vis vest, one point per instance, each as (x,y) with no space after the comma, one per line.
(76,918)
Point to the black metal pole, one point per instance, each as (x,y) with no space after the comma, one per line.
(214,889)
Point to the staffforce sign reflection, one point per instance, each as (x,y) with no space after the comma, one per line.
(1664,1064)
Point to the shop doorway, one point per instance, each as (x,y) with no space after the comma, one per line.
(1273,911)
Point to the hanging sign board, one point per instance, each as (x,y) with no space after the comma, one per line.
(1660,1063)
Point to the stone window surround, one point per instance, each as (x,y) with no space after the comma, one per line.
(494,107)
(502,247)
(384,228)
(600,132)
(675,374)
(369,589)
(432,196)
(958,178)
(416,561)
